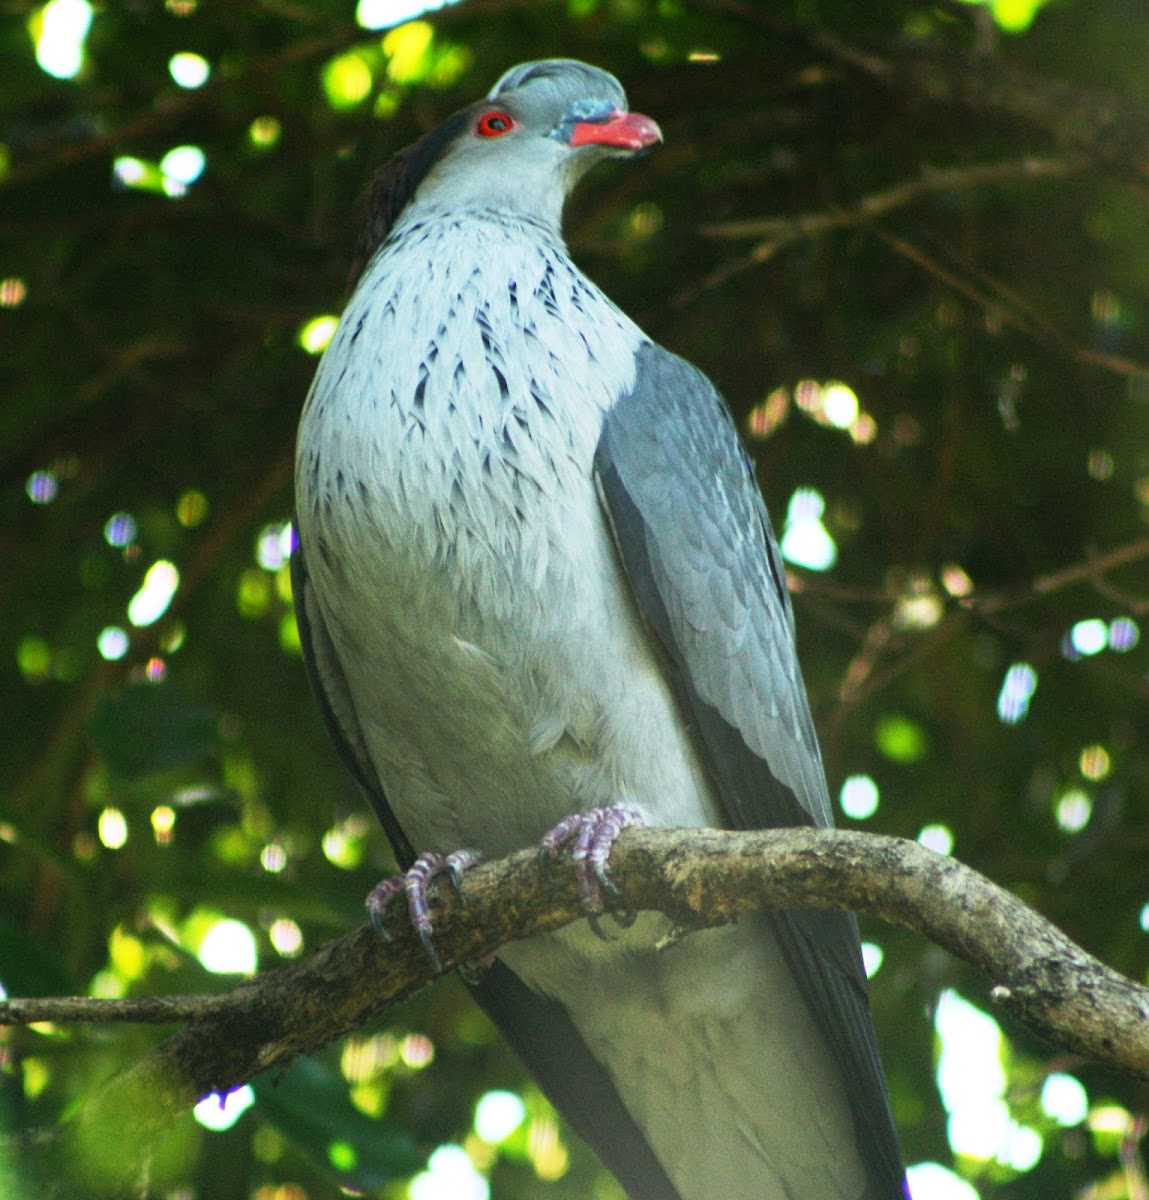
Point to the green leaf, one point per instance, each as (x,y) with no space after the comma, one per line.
(311,1107)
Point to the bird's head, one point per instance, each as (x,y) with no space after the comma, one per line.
(520,149)
(539,130)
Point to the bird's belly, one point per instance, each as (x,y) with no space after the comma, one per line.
(713,1053)
(489,724)
(497,698)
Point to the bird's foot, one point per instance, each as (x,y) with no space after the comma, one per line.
(413,884)
(592,835)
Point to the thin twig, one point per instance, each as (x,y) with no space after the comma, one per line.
(1004,307)
(1091,568)
(778,232)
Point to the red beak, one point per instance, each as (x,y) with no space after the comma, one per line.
(626,131)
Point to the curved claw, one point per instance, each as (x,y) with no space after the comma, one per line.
(413,884)
(593,833)
(377,900)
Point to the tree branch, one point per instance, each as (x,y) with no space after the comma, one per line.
(1112,130)
(778,232)
(696,877)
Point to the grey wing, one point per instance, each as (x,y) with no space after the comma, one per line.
(680,491)
(335,701)
(695,541)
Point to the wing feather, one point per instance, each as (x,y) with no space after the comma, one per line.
(329,686)
(695,541)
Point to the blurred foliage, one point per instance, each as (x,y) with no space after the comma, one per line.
(173,230)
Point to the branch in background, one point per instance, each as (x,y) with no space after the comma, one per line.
(1109,129)
(778,232)
(1091,570)
(696,877)
(1008,307)
(862,678)
(1003,304)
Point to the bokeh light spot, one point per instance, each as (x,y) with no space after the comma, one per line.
(273,546)
(900,739)
(920,608)
(218,1113)
(264,132)
(498,1114)
(347,80)
(644,221)
(228,948)
(872,958)
(184,164)
(317,333)
(1112,1119)
(13,292)
(120,530)
(548,1155)
(286,937)
(42,487)
(408,51)
(382,14)
(971,1077)
(938,838)
(60,29)
(273,858)
(450,1175)
(1100,465)
(189,70)
(1124,634)
(151,602)
(859,797)
(112,828)
(34,658)
(1023,1148)
(839,405)
(1095,762)
(1073,810)
(342,1156)
(417,1051)
(956,581)
(1064,1099)
(112,643)
(805,540)
(1017,690)
(767,416)
(1089,637)
(252,594)
(191,508)
(864,430)
(163,824)
(130,172)
(342,848)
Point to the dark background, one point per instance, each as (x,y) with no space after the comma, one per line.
(959,235)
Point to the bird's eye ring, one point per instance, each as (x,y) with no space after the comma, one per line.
(494,124)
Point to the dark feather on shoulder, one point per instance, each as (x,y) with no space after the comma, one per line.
(396,182)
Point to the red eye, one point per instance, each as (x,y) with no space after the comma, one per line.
(494,124)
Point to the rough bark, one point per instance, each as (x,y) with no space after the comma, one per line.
(696,877)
